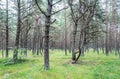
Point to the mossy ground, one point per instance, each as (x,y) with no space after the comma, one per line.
(91,66)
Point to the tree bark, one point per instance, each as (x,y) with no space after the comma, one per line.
(73,43)
(107,28)
(15,55)
(65,44)
(46,40)
(7,31)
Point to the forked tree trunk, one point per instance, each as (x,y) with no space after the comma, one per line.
(48,22)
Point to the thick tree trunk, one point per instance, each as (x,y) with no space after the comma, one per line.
(48,22)
(46,41)
(73,43)
(81,44)
(46,46)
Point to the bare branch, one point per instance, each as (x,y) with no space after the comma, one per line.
(72,12)
(58,11)
(56,2)
(40,8)
(53,21)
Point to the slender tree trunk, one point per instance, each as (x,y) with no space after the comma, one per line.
(26,46)
(7,32)
(65,44)
(26,38)
(107,28)
(26,32)
(97,44)
(34,41)
(2,49)
(38,39)
(119,43)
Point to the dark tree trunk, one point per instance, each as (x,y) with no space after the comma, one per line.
(2,49)
(107,28)
(46,40)
(80,46)
(48,22)
(7,32)
(73,43)
(41,44)
(15,55)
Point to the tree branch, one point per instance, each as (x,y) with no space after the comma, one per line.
(40,8)
(53,21)
(58,11)
(56,2)
(72,12)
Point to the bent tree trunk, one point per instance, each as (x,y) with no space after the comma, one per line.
(73,44)
(73,48)
(80,47)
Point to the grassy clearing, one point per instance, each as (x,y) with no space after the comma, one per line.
(91,66)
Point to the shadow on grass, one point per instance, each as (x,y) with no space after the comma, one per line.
(8,62)
(86,62)
(81,62)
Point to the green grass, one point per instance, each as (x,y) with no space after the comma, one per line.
(91,66)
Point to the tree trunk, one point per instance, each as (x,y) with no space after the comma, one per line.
(73,43)
(46,41)
(65,44)
(34,41)
(81,44)
(15,55)
(107,28)
(7,32)
(2,48)
(26,38)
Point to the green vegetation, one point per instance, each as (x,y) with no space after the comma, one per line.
(91,66)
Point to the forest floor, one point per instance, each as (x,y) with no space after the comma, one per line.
(91,66)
